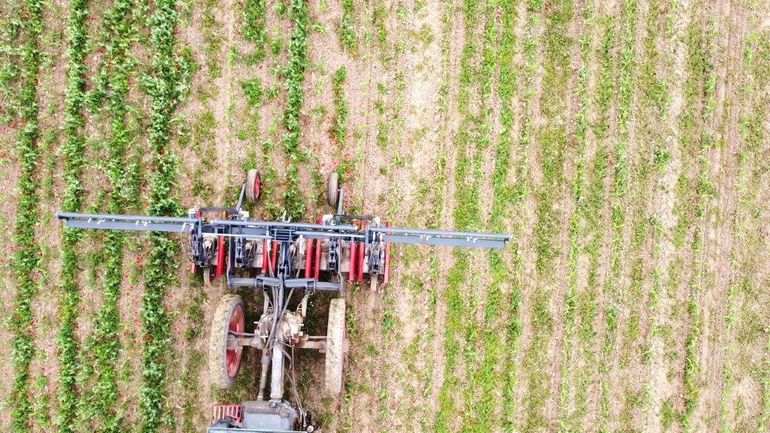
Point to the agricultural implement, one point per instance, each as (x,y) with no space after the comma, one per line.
(288,261)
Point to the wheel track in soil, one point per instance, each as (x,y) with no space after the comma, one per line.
(9,195)
(660,385)
(749,228)
(720,223)
(587,44)
(527,101)
(44,373)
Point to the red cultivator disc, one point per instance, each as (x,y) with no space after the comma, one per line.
(257,186)
(233,356)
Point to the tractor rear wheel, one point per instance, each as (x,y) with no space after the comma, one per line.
(335,346)
(253,186)
(224,361)
(333,189)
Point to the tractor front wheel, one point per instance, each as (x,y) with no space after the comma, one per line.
(335,346)
(225,362)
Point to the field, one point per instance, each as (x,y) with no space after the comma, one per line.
(623,143)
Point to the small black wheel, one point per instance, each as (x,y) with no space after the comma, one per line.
(253,186)
(333,190)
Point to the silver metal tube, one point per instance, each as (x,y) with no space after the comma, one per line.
(74,215)
(263,375)
(254,223)
(440,233)
(327,235)
(276,373)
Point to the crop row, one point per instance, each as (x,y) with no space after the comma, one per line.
(162,85)
(26,258)
(347,30)
(500,348)
(73,198)
(593,202)
(756,136)
(254,25)
(10,70)
(572,318)
(104,344)
(646,232)
(339,127)
(748,293)
(465,215)
(618,201)
(551,152)
(295,79)
(698,87)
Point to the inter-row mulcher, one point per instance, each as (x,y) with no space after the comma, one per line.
(287,261)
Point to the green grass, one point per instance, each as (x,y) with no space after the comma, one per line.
(74,145)
(571,420)
(618,199)
(294,201)
(348,37)
(505,198)
(103,347)
(497,348)
(26,260)
(11,29)
(551,138)
(254,26)
(698,86)
(465,216)
(192,412)
(162,87)
(339,125)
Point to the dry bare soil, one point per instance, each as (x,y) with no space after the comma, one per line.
(623,143)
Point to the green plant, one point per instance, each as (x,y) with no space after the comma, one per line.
(162,85)
(295,78)
(254,24)
(339,126)
(348,38)
(73,196)
(460,332)
(26,258)
(104,347)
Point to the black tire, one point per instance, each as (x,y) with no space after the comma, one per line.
(333,190)
(335,347)
(253,186)
(218,371)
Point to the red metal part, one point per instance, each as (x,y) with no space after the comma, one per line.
(360,265)
(257,186)
(220,258)
(222,411)
(264,256)
(309,253)
(386,277)
(353,257)
(317,269)
(233,356)
(274,258)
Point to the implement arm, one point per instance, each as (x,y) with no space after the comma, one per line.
(255,253)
